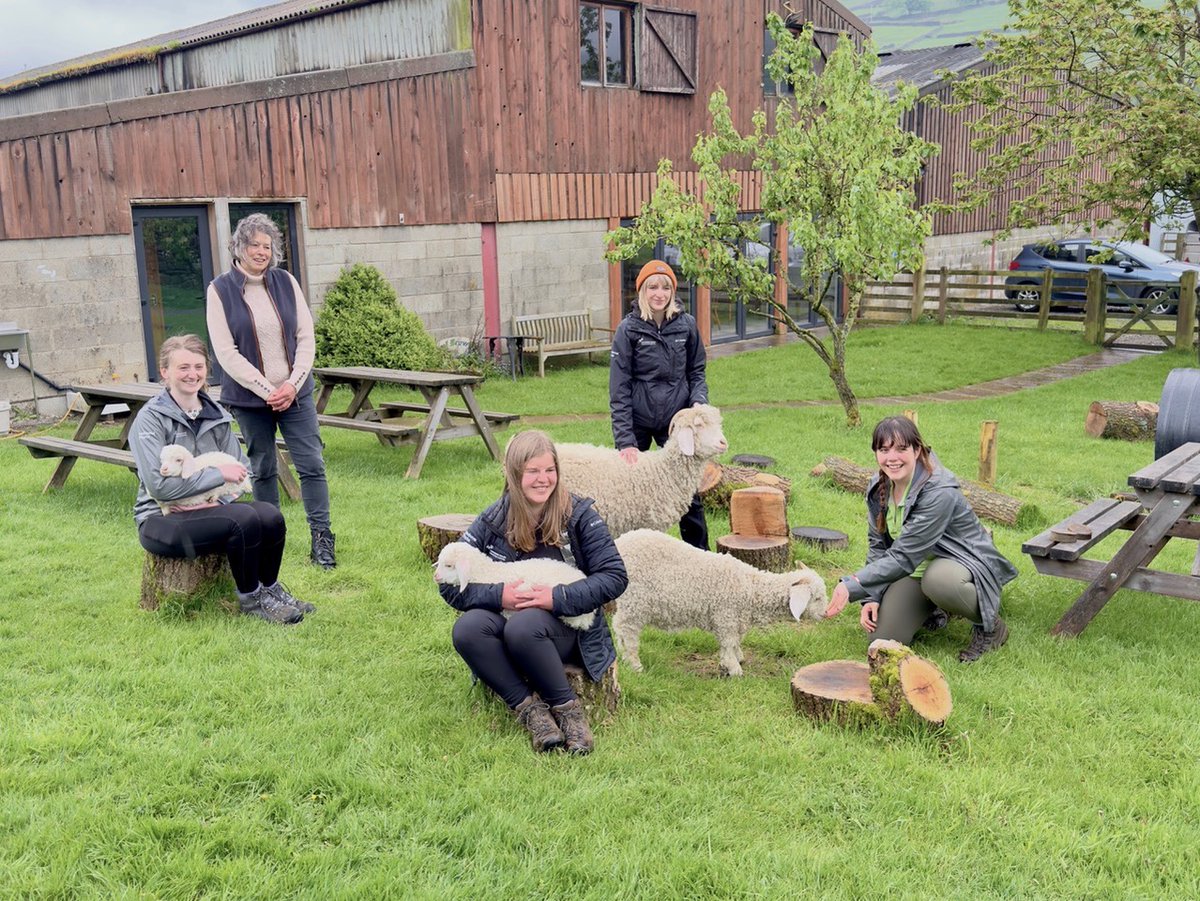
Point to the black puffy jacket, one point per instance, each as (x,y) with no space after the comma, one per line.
(595,555)
(655,373)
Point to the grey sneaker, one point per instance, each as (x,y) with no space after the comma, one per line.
(281,593)
(982,642)
(265,605)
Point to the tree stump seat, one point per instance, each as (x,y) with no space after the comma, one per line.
(821,538)
(758,461)
(770,553)
(435,532)
(180,583)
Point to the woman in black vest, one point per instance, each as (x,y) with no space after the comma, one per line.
(657,370)
(262,335)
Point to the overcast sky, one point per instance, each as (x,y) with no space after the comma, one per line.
(35,33)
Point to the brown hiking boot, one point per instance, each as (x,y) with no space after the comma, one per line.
(982,642)
(534,715)
(573,720)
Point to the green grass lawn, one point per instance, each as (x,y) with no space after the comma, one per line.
(150,756)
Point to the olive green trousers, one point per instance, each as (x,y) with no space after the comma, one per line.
(908,602)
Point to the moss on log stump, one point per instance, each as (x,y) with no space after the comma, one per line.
(894,686)
(1123,421)
(766,553)
(435,532)
(720,481)
(183,585)
(599,699)
(986,503)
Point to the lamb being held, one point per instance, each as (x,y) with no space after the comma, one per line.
(655,491)
(177,460)
(674,586)
(463,563)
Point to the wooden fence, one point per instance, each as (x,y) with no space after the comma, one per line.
(1109,312)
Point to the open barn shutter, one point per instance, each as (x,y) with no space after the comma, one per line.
(667,53)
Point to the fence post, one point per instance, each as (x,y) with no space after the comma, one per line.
(1044,300)
(987,452)
(1185,313)
(943,291)
(918,298)
(1094,312)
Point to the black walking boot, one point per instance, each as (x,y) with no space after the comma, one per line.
(534,715)
(982,642)
(322,549)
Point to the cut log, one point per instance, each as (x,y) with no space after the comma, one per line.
(986,503)
(770,554)
(1124,421)
(183,585)
(758,461)
(894,686)
(820,538)
(599,699)
(720,481)
(435,532)
(760,511)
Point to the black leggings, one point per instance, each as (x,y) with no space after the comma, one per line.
(693,528)
(250,535)
(517,656)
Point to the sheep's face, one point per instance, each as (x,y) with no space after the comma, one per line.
(807,595)
(173,457)
(698,432)
(453,565)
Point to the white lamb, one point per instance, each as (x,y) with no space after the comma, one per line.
(177,460)
(463,563)
(655,491)
(674,586)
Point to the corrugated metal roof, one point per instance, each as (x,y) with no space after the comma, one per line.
(921,67)
(238,23)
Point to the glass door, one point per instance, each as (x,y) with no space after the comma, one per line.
(174,258)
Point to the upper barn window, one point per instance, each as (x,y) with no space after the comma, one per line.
(605,43)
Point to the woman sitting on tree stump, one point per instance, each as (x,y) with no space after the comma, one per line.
(250,535)
(928,555)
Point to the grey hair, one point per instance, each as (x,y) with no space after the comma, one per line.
(251,226)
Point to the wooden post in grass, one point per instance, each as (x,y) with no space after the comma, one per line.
(943,295)
(1044,299)
(1185,315)
(1095,310)
(987,452)
(912,416)
(918,295)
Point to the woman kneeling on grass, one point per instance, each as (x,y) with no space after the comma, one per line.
(250,535)
(928,555)
(521,658)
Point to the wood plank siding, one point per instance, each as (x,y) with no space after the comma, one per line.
(502,132)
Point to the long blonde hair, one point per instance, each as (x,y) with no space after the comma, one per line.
(522,527)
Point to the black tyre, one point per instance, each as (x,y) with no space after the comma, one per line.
(1178,411)
(1025,296)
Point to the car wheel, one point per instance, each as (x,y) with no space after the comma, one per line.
(1159,301)
(1026,296)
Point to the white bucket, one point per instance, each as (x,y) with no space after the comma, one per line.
(4,423)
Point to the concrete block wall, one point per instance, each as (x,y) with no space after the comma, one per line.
(548,267)
(437,270)
(968,250)
(79,299)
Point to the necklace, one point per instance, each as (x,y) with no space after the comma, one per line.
(192,414)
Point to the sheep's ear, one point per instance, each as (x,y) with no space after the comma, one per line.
(797,601)
(464,577)
(687,441)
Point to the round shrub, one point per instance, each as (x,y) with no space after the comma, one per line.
(363,324)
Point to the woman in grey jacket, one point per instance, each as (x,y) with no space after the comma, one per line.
(250,535)
(928,553)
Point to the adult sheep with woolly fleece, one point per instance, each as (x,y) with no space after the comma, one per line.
(462,563)
(653,492)
(674,586)
(177,460)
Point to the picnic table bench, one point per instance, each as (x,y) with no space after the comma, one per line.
(1168,499)
(435,420)
(555,334)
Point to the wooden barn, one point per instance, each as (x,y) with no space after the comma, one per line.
(474,150)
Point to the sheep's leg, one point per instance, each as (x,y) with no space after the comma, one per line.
(731,656)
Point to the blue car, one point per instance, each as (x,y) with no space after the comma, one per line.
(1125,265)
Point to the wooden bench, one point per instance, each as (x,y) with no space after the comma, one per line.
(46,446)
(1102,517)
(496,420)
(556,334)
(375,427)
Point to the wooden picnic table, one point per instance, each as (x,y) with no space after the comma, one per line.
(1168,502)
(97,398)
(390,422)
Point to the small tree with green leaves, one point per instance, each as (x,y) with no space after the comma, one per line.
(363,324)
(836,168)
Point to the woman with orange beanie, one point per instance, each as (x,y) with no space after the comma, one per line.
(657,370)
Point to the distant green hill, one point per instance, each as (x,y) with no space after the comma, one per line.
(943,22)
